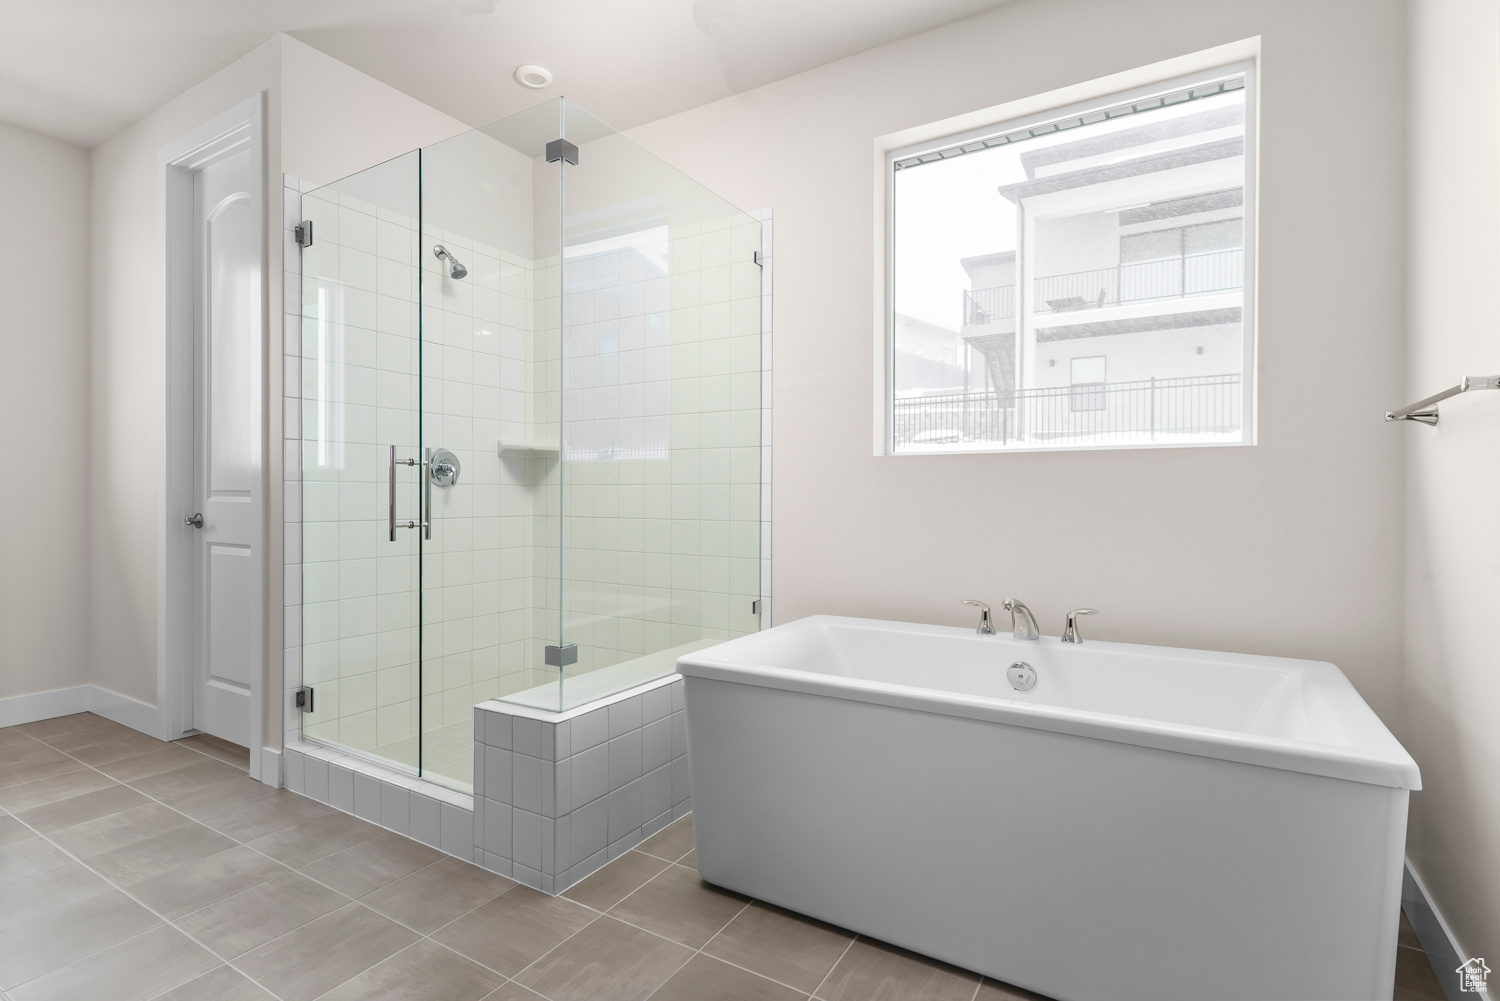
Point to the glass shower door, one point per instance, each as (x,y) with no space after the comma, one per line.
(360,389)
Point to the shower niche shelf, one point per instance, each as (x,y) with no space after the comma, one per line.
(519,446)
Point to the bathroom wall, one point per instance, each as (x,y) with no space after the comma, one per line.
(44,207)
(1451,695)
(338,120)
(1291,547)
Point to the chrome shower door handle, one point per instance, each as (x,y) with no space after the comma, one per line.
(391,463)
(427,493)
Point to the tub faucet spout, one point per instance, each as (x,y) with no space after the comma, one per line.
(1024,627)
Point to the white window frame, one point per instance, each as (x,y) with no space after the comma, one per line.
(1070,102)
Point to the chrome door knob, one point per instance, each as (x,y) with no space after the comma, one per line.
(196,521)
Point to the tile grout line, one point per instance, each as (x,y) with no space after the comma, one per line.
(421,936)
(125,890)
(165,921)
(238,842)
(835,966)
(654,934)
(742,910)
(697,951)
(599,914)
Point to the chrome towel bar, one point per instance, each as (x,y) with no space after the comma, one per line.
(1426,411)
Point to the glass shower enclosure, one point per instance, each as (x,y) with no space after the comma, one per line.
(531,433)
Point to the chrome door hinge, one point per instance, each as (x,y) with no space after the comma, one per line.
(303,232)
(757,606)
(759,259)
(304,699)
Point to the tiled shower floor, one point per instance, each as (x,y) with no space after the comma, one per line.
(447,754)
(132,870)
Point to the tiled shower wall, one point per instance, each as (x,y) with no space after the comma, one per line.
(477,382)
(664,545)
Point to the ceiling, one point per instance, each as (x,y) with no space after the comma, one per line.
(82,70)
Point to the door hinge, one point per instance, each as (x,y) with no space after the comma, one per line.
(303,232)
(759,259)
(561,656)
(304,699)
(756,606)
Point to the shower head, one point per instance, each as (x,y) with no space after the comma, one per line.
(455,269)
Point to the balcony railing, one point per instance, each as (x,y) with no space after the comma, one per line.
(1173,278)
(986,305)
(1195,407)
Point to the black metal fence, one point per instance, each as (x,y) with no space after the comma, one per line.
(1147,410)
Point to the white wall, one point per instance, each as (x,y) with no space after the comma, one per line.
(1452,691)
(44,212)
(1292,547)
(337,120)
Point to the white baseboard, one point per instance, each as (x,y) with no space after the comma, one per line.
(18,709)
(270,767)
(124,710)
(1438,940)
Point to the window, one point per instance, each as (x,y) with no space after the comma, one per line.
(1088,383)
(1077,280)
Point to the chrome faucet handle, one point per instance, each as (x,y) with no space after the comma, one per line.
(1026,630)
(986,627)
(1070,631)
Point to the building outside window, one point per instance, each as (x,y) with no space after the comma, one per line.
(1078,280)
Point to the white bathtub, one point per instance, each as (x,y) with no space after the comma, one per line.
(1145,823)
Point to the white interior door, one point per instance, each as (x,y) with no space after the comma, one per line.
(227,614)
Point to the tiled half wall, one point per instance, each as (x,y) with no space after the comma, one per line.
(557,795)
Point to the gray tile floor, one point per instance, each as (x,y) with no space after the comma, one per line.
(133,870)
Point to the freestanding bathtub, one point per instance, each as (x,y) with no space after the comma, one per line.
(1144,823)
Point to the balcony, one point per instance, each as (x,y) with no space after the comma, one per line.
(1172,278)
(986,305)
(1196,408)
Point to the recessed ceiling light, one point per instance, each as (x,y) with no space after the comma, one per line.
(533,76)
